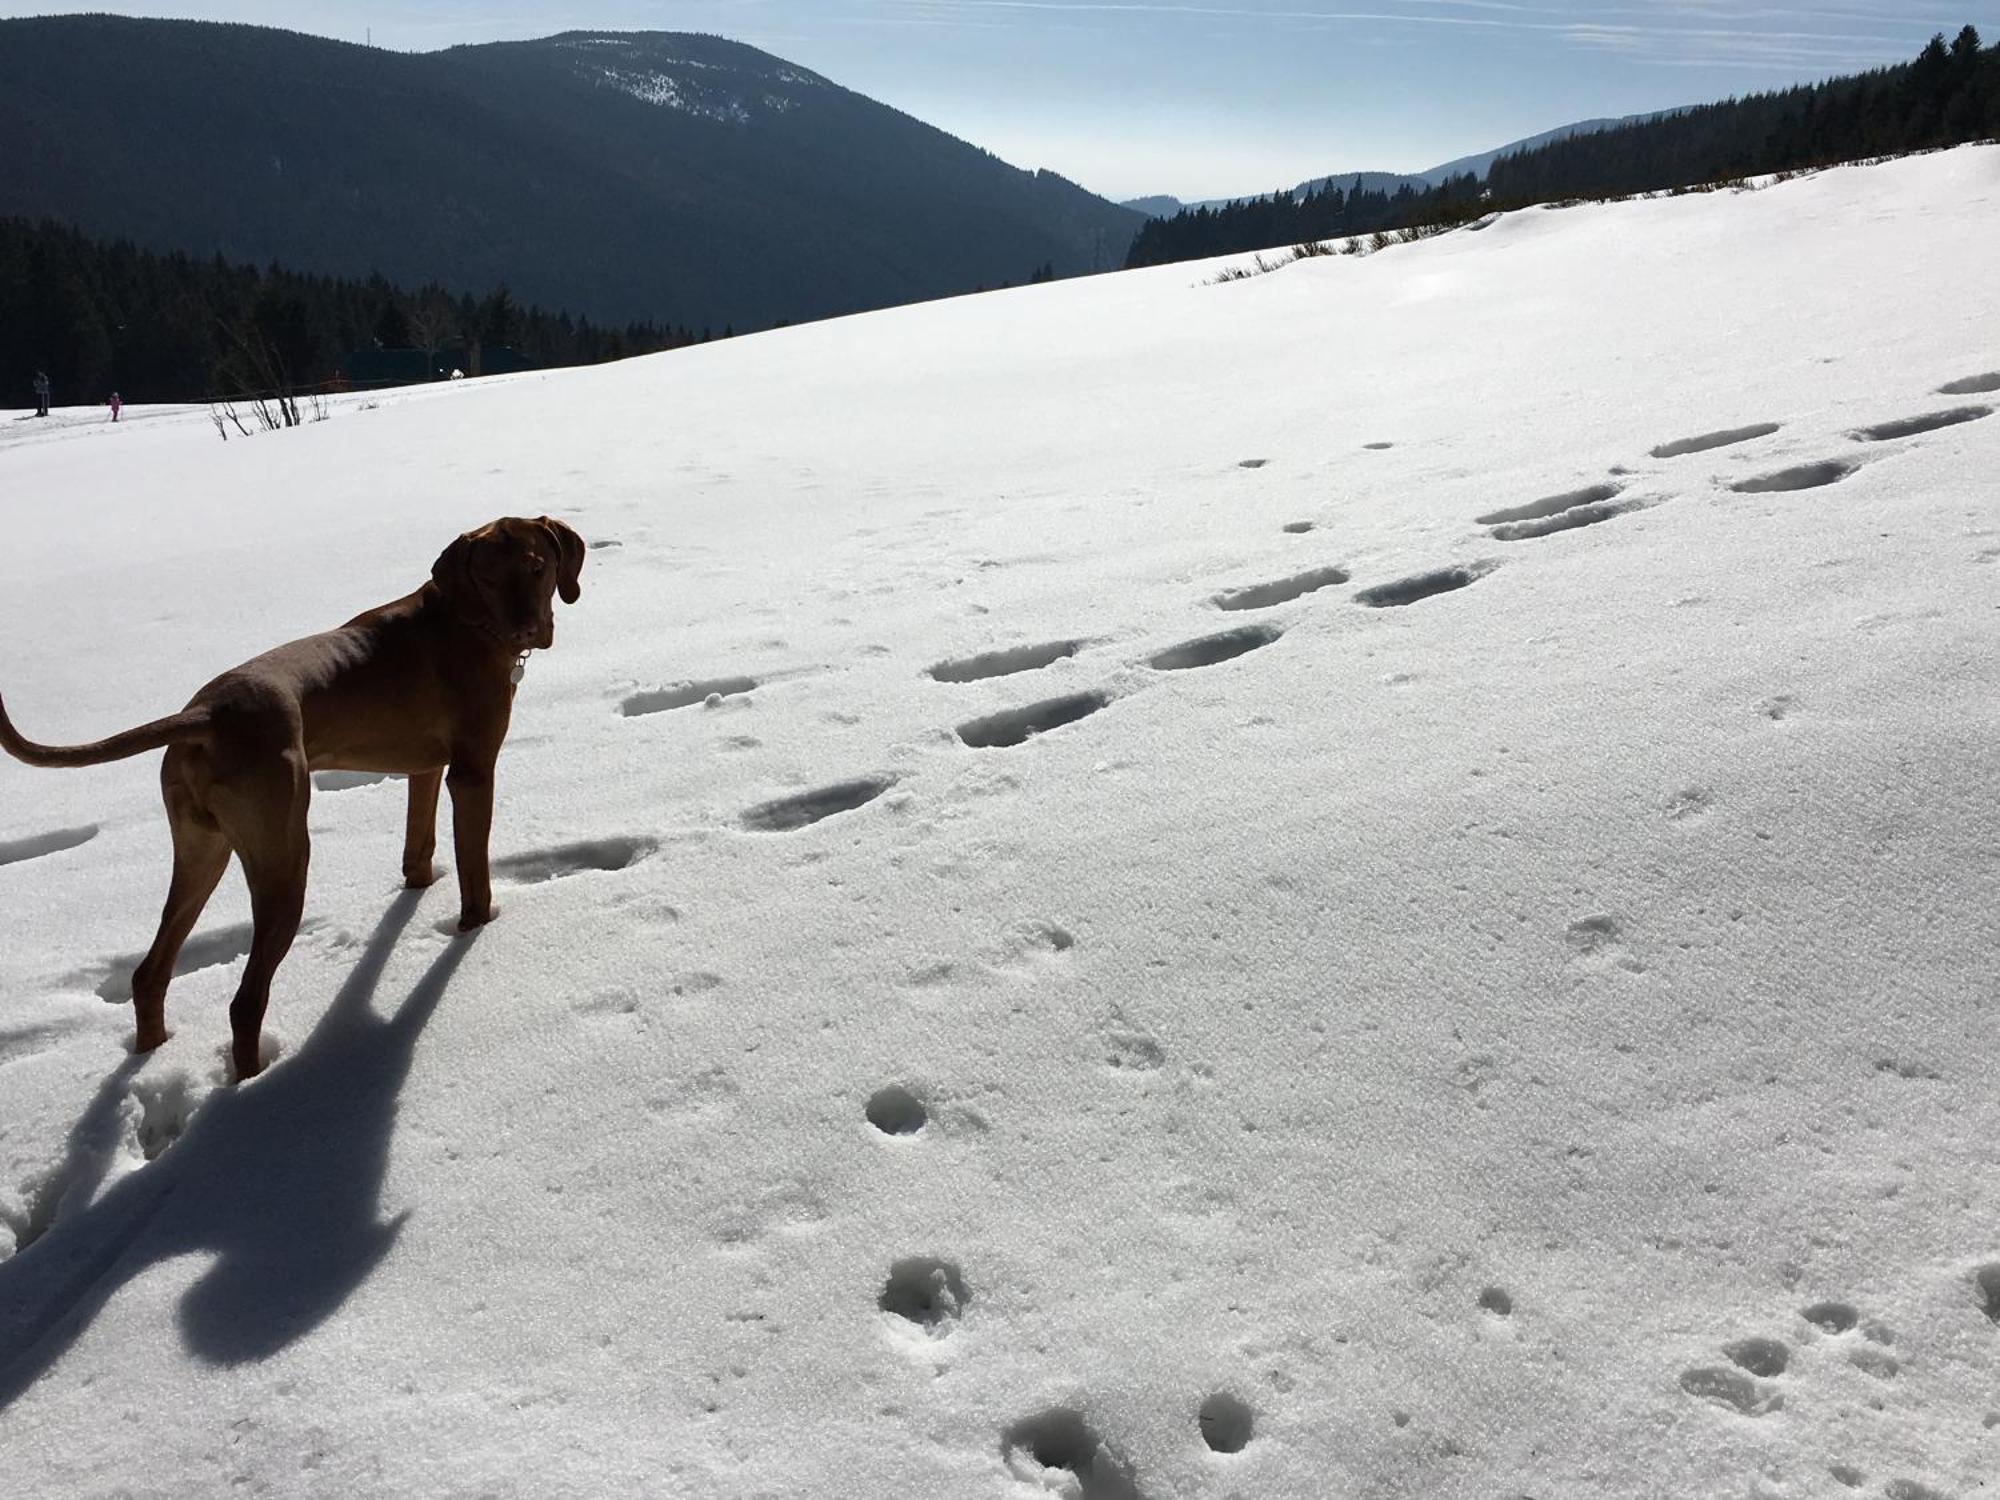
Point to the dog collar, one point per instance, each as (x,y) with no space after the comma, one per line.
(520,668)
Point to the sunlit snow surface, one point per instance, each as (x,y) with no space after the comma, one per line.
(1535,1035)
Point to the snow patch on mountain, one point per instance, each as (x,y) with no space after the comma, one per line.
(668,92)
(658,75)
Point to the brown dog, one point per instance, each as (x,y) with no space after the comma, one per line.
(423,686)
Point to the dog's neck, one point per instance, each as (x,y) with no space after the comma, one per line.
(483,630)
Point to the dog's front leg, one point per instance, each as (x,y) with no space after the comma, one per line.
(471,786)
(420,832)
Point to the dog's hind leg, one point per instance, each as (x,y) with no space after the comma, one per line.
(264,815)
(420,831)
(201,854)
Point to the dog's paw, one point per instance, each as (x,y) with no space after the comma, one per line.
(473,921)
(423,879)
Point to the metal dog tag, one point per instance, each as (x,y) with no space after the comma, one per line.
(520,671)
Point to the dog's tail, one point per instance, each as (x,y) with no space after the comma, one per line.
(188,726)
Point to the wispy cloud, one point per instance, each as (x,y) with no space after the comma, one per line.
(1690,32)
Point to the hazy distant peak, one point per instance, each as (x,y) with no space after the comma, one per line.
(1478,165)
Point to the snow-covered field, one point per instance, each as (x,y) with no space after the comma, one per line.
(1535,1040)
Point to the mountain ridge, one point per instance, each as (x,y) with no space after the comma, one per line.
(622,175)
(1164,205)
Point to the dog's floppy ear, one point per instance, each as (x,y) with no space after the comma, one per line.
(569,557)
(452,573)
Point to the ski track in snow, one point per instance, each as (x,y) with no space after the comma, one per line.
(888,1206)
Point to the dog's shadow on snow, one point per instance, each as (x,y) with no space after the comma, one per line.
(279,1182)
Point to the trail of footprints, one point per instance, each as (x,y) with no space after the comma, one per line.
(1012,727)
(925,1297)
(1598,503)
(1753,1382)
(1016,726)
(1553,514)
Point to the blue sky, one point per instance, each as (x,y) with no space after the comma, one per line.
(1213,98)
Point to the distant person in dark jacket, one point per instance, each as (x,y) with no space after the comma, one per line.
(116,406)
(41,393)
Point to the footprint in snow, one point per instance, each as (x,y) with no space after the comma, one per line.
(607,1004)
(1767,1358)
(1016,726)
(1282,591)
(1800,477)
(894,1110)
(1252,463)
(1731,1389)
(789,814)
(538,866)
(1131,1049)
(1831,1317)
(1909,1069)
(1227,1424)
(1005,663)
(1570,511)
(1871,1356)
(167,1105)
(927,1293)
(1971,385)
(1707,441)
(1061,1454)
(1031,941)
(1407,591)
(1298,528)
(1601,939)
(1691,802)
(141,1122)
(1212,650)
(112,978)
(1552,505)
(686,695)
(1915,426)
(41,845)
(1986,1281)
(1574,519)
